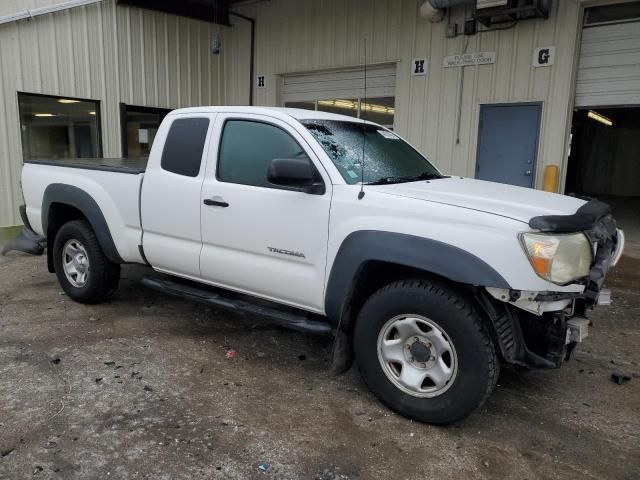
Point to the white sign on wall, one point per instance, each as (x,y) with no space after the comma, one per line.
(466,59)
(419,66)
(544,56)
(143,135)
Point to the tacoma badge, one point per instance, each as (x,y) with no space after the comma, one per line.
(286,252)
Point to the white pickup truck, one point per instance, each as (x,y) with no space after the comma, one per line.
(429,281)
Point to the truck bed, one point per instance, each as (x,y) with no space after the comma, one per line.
(112,183)
(132,166)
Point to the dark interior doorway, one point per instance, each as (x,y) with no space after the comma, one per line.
(139,128)
(604,163)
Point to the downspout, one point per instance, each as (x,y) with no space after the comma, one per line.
(433,10)
(253,49)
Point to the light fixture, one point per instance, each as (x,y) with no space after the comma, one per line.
(67,100)
(353,105)
(340,103)
(599,118)
(44,115)
(216,44)
(369,107)
(92,113)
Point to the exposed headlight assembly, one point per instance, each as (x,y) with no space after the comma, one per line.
(558,258)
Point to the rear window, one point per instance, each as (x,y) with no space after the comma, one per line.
(184,146)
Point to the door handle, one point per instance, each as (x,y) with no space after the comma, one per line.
(528,173)
(215,203)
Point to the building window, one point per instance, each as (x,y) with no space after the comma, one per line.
(379,110)
(339,106)
(611,14)
(139,128)
(59,127)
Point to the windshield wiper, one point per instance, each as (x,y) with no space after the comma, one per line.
(408,178)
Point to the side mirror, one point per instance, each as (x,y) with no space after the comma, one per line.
(295,174)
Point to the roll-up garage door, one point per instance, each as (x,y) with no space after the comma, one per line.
(381,82)
(609,66)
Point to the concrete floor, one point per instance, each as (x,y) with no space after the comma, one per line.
(140,387)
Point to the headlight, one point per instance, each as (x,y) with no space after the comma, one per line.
(558,258)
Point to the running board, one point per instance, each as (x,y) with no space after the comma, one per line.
(236,303)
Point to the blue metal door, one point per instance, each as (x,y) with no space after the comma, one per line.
(508,143)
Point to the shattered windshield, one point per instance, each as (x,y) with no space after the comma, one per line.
(387,158)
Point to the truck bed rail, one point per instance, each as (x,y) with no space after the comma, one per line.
(132,166)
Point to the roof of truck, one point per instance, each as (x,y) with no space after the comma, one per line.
(296,113)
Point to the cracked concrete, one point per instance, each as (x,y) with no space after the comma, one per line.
(140,387)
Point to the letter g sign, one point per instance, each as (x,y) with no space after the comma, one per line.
(544,56)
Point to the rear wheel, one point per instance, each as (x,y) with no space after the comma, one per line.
(425,351)
(83,271)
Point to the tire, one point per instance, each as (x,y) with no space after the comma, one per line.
(76,245)
(448,346)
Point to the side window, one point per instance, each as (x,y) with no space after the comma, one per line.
(183,148)
(247,148)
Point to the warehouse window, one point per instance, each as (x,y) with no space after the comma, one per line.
(379,109)
(59,127)
(139,128)
(610,14)
(350,108)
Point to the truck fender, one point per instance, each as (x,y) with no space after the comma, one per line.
(426,254)
(82,201)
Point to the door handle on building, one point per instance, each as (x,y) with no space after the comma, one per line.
(528,173)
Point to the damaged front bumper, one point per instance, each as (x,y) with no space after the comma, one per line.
(540,329)
(27,240)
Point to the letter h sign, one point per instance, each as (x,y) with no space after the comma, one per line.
(419,66)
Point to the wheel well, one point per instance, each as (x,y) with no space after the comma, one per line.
(59,214)
(371,277)
(374,275)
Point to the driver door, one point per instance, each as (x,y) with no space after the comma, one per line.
(259,238)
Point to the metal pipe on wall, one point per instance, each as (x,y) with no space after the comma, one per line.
(253,50)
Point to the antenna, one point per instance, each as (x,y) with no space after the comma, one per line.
(364,129)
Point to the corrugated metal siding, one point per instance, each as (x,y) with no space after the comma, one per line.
(609,68)
(100,52)
(8,7)
(303,36)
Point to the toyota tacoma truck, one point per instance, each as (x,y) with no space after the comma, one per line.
(332,225)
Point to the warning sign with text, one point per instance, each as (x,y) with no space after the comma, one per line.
(465,59)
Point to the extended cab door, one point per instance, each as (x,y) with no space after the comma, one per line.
(170,197)
(260,238)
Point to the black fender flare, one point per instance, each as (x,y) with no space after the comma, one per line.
(432,256)
(85,203)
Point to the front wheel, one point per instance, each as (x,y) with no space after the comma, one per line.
(425,351)
(83,270)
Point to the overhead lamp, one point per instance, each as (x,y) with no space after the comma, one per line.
(92,113)
(44,115)
(599,118)
(340,103)
(67,100)
(370,107)
(353,105)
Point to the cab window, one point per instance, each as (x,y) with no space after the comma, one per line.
(247,148)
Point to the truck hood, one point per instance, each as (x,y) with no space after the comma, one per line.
(509,201)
